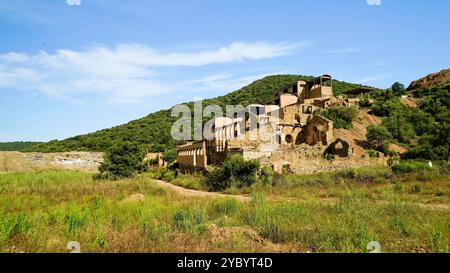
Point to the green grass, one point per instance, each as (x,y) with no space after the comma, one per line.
(332,212)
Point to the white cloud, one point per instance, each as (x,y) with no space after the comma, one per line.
(73,2)
(127,73)
(374,2)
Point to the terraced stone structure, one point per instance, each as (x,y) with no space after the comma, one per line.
(284,134)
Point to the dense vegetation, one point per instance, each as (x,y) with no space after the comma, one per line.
(17,146)
(234,172)
(154,129)
(425,130)
(342,116)
(122,160)
(378,138)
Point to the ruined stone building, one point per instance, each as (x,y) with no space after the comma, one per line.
(285,133)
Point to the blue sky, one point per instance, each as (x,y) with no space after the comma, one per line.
(69,67)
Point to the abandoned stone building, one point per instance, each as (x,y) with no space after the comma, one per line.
(285,133)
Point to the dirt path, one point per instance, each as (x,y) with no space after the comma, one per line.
(196,193)
(245,198)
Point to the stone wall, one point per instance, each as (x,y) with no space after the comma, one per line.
(192,156)
(305,159)
(318,130)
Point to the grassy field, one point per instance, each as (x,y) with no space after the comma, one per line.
(334,212)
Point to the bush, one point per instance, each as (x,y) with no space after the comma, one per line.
(364,103)
(409,167)
(342,116)
(164,174)
(387,105)
(122,160)
(157,148)
(267,175)
(399,126)
(378,137)
(235,171)
(170,156)
(373,153)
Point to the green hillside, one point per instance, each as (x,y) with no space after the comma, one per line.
(17,146)
(154,129)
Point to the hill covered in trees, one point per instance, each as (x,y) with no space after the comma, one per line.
(17,146)
(154,129)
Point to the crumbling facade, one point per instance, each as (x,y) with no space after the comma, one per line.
(284,133)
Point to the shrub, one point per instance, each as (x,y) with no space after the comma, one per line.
(170,156)
(409,167)
(342,116)
(267,175)
(373,153)
(122,160)
(364,103)
(387,105)
(157,148)
(168,176)
(164,174)
(400,127)
(235,171)
(378,137)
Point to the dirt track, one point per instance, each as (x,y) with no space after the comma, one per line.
(196,193)
(244,198)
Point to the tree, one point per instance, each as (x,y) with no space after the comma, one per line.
(398,89)
(170,156)
(122,160)
(399,126)
(341,116)
(157,148)
(235,171)
(378,137)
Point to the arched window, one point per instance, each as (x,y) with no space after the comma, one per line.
(289,139)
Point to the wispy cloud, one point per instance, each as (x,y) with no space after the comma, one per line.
(374,2)
(127,73)
(73,2)
(372,79)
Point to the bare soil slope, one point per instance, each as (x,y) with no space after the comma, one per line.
(356,136)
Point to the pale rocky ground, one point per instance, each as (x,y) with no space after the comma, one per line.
(78,161)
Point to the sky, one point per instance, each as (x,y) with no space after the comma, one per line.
(69,67)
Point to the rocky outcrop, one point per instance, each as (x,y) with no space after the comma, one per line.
(435,79)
